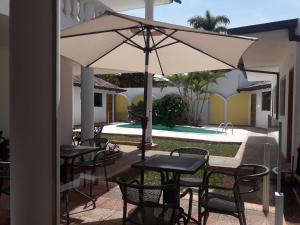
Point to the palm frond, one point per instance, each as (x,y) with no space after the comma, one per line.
(222,20)
(221,29)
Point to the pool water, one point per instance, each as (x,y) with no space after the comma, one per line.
(177,128)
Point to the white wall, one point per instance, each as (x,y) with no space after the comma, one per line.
(100,114)
(261,116)
(4,90)
(284,69)
(228,85)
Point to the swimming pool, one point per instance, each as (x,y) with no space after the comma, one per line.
(177,128)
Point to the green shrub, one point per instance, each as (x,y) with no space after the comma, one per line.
(170,110)
(137,111)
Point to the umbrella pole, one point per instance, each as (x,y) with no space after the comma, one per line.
(144,119)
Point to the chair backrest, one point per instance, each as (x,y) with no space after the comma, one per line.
(96,142)
(248,178)
(153,196)
(192,153)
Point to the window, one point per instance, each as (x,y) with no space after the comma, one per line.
(266,101)
(97,99)
(282,97)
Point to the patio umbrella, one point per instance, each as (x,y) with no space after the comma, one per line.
(120,42)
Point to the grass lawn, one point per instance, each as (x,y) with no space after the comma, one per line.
(167,144)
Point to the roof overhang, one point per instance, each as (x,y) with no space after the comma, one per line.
(290,25)
(126,5)
(276,41)
(255,87)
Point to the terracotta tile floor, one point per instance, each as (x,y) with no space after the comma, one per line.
(109,206)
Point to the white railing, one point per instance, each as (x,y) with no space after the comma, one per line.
(223,127)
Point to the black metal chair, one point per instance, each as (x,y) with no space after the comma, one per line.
(155,204)
(97,159)
(196,182)
(4,178)
(246,179)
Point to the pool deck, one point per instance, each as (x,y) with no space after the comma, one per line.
(238,135)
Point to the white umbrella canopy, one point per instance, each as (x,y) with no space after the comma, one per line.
(117,42)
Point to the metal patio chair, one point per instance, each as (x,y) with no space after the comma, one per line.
(97,159)
(4,178)
(194,182)
(155,204)
(246,177)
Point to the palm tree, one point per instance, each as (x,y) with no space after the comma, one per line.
(210,22)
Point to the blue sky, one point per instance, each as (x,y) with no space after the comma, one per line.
(240,12)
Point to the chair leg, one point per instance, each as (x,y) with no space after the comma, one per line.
(84,178)
(199,205)
(244,218)
(66,194)
(91,182)
(124,213)
(241,218)
(105,177)
(206,214)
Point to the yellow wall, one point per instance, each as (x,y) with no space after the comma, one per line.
(216,109)
(121,108)
(238,109)
(137,99)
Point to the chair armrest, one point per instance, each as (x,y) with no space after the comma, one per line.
(98,154)
(190,192)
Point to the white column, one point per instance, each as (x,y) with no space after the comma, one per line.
(65,110)
(33,107)
(149,12)
(87,103)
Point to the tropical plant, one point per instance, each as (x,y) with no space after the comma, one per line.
(137,110)
(210,22)
(194,88)
(111,78)
(170,110)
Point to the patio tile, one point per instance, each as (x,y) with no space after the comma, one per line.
(95,215)
(114,204)
(101,200)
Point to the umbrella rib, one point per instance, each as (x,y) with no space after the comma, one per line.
(157,56)
(132,42)
(162,40)
(99,32)
(166,45)
(197,49)
(123,42)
